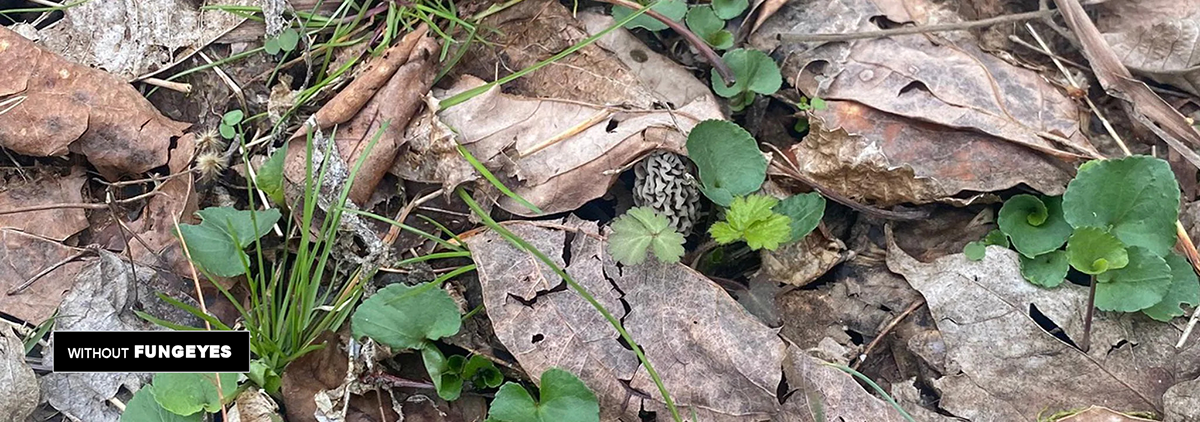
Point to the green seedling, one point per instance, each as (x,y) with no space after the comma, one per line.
(705,23)
(672,9)
(286,41)
(562,397)
(808,105)
(751,219)
(640,230)
(231,123)
(756,73)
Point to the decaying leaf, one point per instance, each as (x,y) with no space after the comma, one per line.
(1182,402)
(818,389)
(802,262)
(71,107)
(47,189)
(910,121)
(1101,414)
(18,384)
(24,256)
(1155,38)
(1001,365)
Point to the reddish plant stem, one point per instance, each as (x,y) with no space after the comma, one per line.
(1086,343)
(693,39)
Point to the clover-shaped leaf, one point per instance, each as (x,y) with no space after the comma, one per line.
(406,317)
(1093,251)
(641,229)
(1184,289)
(729,9)
(705,23)
(754,71)
(563,398)
(1035,227)
(805,210)
(672,9)
(751,219)
(728,159)
(1139,285)
(1046,270)
(1135,198)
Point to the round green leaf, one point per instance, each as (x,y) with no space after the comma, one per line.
(997,237)
(563,398)
(406,317)
(754,70)
(729,9)
(271,46)
(1184,289)
(233,117)
(1136,198)
(143,408)
(1093,251)
(728,159)
(227,131)
(288,39)
(705,23)
(1035,227)
(185,394)
(1046,270)
(1140,285)
(975,251)
(672,9)
(805,210)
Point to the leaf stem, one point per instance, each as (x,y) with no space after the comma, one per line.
(699,44)
(1087,319)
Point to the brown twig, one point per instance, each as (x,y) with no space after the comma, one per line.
(48,270)
(910,30)
(699,44)
(83,205)
(871,346)
(1086,343)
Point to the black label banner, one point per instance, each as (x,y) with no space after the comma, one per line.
(151,351)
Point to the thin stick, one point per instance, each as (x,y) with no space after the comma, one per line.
(48,270)
(83,205)
(909,30)
(1086,343)
(871,346)
(203,308)
(394,231)
(696,42)
(185,88)
(1189,249)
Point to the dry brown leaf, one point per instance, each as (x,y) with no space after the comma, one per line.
(47,189)
(1156,38)
(1182,402)
(176,202)
(72,107)
(802,262)
(1000,365)
(23,256)
(18,384)
(318,370)
(1101,414)
(254,405)
(135,37)
(820,388)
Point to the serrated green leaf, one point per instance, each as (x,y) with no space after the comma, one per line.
(1093,251)
(641,229)
(1046,270)
(729,9)
(975,251)
(996,237)
(143,408)
(672,9)
(1035,227)
(406,317)
(185,394)
(705,23)
(751,219)
(563,398)
(728,159)
(216,244)
(1184,290)
(805,210)
(1136,198)
(270,177)
(753,70)
(288,39)
(447,383)
(1140,285)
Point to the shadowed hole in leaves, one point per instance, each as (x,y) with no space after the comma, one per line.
(1120,344)
(855,336)
(612,125)
(566,250)
(914,86)
(560,287)
(1048,325)
(537,338)
(782,392)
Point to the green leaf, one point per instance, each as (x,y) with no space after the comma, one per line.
(563,398)
(233,117)
(729,9)
(641,229)
(750,218)
(705,23)
(672,9)
(1140,285)
(996,237)
(482,372)
(227,131)
(1184,289)
(728,159)
(1135,198)
(271,46)
(265,377)
(405,317)
(817,104)
(754,70)
(270,177)
(1093,251)
(216,243)
(805,210)
(975,251)
(143,408)
(1035,227)
(447,383)
(288,39)
(185,394)
(1046,270)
